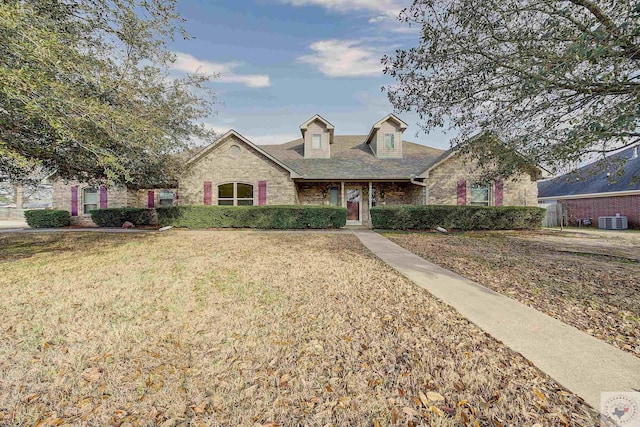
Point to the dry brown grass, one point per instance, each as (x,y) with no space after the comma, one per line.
(238,328)
(586,279)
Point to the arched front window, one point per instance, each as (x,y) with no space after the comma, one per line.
(89,200)
(235,194)
(480,195)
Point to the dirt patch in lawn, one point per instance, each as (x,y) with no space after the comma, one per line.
(225,328)
(587,279)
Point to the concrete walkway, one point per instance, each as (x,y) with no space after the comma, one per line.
(12,224)
(581,363)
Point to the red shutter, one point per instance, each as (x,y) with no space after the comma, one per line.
(74,201)
(499,193)
(151,199)
(207,192)
(103,197)
(462,192)
(262,193)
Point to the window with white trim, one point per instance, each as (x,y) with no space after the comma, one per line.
(316,141)
(235,194)
(166,198)
(389,141)
(480,194)
(90,200)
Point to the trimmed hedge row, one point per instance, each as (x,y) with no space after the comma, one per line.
(47,218)
(115,217)
(265,217)
(456,217)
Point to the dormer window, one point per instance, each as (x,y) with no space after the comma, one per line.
(385,137)
(389,141)
(316,141)
(317,134)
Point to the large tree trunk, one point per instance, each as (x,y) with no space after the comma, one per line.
(19,196)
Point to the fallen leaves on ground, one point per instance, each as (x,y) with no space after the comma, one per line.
(241,328)
(590,281)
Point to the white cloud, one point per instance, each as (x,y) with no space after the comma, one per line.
(344,58)
(224,71)
(380,7)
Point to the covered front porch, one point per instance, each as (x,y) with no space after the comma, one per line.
(359,196)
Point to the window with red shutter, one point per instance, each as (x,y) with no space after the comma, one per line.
(262,193)
(462,192)
(207,192)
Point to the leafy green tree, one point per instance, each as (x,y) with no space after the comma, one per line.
(557,81)
(85,91)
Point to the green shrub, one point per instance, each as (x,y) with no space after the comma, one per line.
(47,218)
(456,217)
(115,217)
(264,217)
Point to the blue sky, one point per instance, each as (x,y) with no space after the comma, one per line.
(282,61)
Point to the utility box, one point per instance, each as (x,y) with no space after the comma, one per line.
(613,222)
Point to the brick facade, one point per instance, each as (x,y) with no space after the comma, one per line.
(224,164)
(443,181)
(234,160)
(117,197)
(595,207)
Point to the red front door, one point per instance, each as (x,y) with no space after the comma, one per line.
(353,204)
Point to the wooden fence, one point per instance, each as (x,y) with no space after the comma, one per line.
(556,215)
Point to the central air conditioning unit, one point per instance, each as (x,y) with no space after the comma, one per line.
(613,222)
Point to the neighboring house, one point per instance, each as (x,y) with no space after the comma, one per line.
(598,189)
(320,168)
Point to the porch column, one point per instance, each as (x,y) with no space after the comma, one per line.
(370,195)
(343,202)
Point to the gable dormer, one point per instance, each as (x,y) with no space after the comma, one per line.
(317,134)
(385,138)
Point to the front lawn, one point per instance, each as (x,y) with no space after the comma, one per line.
(246,328)
(588,279)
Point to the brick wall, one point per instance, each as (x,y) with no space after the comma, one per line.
(628,206)
(221,166)
(117,197)
(443,183)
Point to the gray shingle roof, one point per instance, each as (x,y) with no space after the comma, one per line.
(593,178)
(351,158)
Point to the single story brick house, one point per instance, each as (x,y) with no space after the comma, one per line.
(320,168)
(597,190)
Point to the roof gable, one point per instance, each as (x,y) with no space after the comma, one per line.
(389,117)
(319,118)
(215,144)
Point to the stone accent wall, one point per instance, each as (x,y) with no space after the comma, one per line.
(310,193)
(117,197)
(595,207)
(395,193)
(220,165)
(443,185)
(399,193)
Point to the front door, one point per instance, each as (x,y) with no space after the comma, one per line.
(354,209)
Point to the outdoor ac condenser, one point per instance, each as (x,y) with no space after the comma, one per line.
(613,222)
